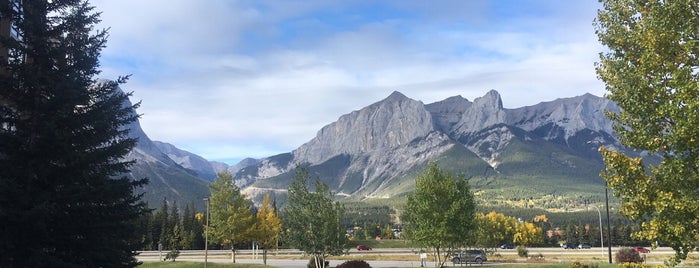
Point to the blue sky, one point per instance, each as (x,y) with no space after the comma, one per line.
(234,79)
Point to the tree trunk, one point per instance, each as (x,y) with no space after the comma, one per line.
(264,256)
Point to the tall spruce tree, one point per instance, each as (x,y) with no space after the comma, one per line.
(64,201)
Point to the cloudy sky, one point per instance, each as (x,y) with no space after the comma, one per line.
(234,79)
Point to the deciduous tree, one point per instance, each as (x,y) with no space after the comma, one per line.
(527,233)
(231,218)
(651,70)
(495,229)
(312,221)
(268,227)
(440,213)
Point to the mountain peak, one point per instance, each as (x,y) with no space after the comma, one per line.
(491,99)
(396,96)
(392,122)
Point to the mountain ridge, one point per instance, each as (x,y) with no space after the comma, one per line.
(381,144)
(544,153)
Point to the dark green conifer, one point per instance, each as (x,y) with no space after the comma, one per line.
(64,199)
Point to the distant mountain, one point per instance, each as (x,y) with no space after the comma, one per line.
(542,156)
(168,178)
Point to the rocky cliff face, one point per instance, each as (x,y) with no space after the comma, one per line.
(201,167)
(167,178)
(382,126)
(384,143)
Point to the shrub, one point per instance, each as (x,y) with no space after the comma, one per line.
(312,263)
(625,255)
(578,264)
(522,251)
(172,255)
(632,265)
(354,264)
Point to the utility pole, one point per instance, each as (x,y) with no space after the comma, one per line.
(609,237)
(206,235)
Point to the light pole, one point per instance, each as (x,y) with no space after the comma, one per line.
(609,235)
(206,234)
(601,236)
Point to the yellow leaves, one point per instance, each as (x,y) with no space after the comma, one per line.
(541,218)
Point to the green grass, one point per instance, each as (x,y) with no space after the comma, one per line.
(552,265)
(181,264)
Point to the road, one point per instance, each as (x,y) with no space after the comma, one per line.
(294,258)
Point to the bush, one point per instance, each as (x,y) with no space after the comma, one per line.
(312,263)
(632,265)
(354,264)
(578,264)
(522,251)
(627,255)
(172,255)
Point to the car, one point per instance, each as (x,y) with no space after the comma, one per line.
(568,246)
(507,246)
(363,247)
(641,250)
(468,256)
(584,246)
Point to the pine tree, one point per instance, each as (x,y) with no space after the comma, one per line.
(64,199)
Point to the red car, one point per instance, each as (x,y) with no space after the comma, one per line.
(362,247)
(641,250)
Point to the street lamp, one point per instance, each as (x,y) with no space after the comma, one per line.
(601,236)
(206,234)
(609,235)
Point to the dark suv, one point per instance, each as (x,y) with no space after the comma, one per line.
(468,256)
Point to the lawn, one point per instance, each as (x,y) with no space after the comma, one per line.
(182,264)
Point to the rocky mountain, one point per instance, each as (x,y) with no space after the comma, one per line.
(543,155)
(166,168)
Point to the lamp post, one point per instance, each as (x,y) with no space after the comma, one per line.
(609,235)
(601,236)
(206,234)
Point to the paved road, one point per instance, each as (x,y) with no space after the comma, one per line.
(245,256)
(303,263)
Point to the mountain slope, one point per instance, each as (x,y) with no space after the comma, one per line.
(545,151)
(167,179)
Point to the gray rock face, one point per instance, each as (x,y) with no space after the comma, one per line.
(485,111)
(240,165)
(447,113)
(390,123)
(571,115)
(202,167)
(394,135)
(167,178)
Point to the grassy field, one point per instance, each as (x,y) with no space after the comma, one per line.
(238,265)
(180,264)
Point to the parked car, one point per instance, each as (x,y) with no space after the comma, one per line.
(584,246)
(507,246)
(568,246)
(468,256)
(641,250)
(363,247)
